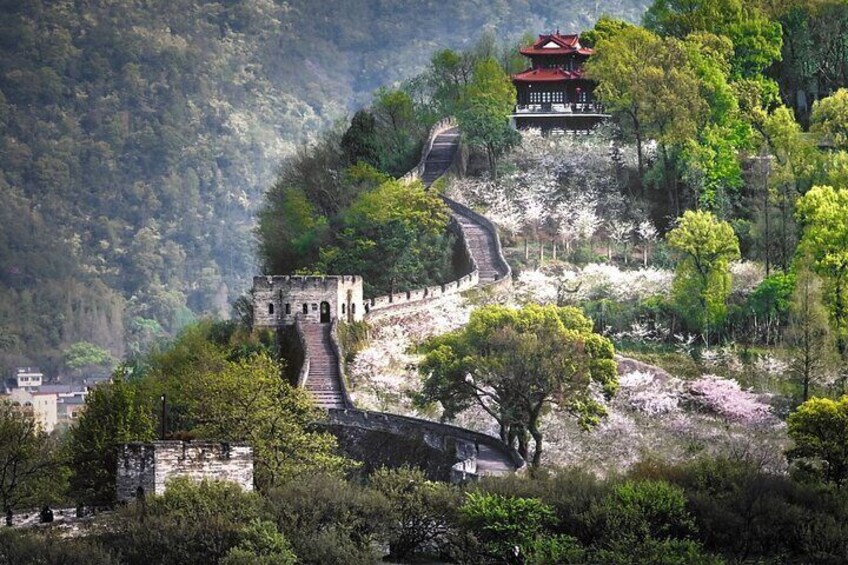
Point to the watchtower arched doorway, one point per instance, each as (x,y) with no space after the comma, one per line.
(325,312)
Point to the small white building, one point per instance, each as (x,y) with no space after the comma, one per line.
(28,377)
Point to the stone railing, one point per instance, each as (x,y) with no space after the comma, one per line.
(394,303)
(503,268)
(337,350)
(438,128)
(301,337)
(443,437)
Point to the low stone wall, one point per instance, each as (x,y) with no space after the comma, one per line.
(145,468)
(505,280)
(403,302)
(336,347)
(304,367)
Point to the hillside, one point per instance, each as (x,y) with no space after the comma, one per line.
(138,137)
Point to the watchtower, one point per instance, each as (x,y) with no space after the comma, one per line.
(279,300)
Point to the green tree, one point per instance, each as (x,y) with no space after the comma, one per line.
(701,287)
(421,510)
(819,429)
(649,83)
(83,354)
(485,107)
(505,527)
(515,363)
(823,215)
(830,118)
(394,236)
(115,413)
(605,28)
(360,142)
(289,230)
(30,464)
(197,523)
(808,333)
(247,400)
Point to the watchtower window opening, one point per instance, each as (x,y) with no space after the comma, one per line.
(353,308)
(306,308)
(271,308)
(343,308)
(288,309)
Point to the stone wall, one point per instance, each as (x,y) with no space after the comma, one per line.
(452,440)
(438,128)
(151,465)
(278,300)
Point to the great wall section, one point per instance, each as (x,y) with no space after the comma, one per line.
(322,372)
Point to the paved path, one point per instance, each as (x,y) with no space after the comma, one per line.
(441,155)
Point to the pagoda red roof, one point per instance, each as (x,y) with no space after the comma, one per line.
(565,45)
(547,75)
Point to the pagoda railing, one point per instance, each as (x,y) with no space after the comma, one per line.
(572,108)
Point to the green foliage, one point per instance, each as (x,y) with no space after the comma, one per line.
(115,413)
(485,106)
(830,118)
(221,385)
(636,511)
(823,215)
(421,510)
(702,279)
(511,363)
(19,547)
(330,521)
(505,527)
(83,354)
(819,428)
(395,236)
(197,523)
(809,333)
(605,28)
(31,469)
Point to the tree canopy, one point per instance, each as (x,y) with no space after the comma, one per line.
(514,363)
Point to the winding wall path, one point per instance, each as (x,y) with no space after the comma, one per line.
(479,454)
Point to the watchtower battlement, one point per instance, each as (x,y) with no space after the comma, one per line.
(279,299)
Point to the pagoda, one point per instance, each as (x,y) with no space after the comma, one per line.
(553,94)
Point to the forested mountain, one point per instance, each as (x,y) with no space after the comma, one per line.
(136,139)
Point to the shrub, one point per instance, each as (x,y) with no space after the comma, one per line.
(330,520)
(29,548)
(421,510)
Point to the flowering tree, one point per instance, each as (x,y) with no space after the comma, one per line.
(647,235)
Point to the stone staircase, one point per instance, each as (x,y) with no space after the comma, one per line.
(482,246)
(441,156)
(323,380)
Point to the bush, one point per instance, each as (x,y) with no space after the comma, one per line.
(29,548)
(190,524)
(421,510)
(506,528)
(330,520)
(638,510)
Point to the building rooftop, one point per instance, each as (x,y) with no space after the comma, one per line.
(556,44)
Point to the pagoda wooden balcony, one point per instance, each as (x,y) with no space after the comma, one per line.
(560,109)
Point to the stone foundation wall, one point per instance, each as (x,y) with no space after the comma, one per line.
(151,465)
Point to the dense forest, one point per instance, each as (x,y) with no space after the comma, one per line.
(138,137)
